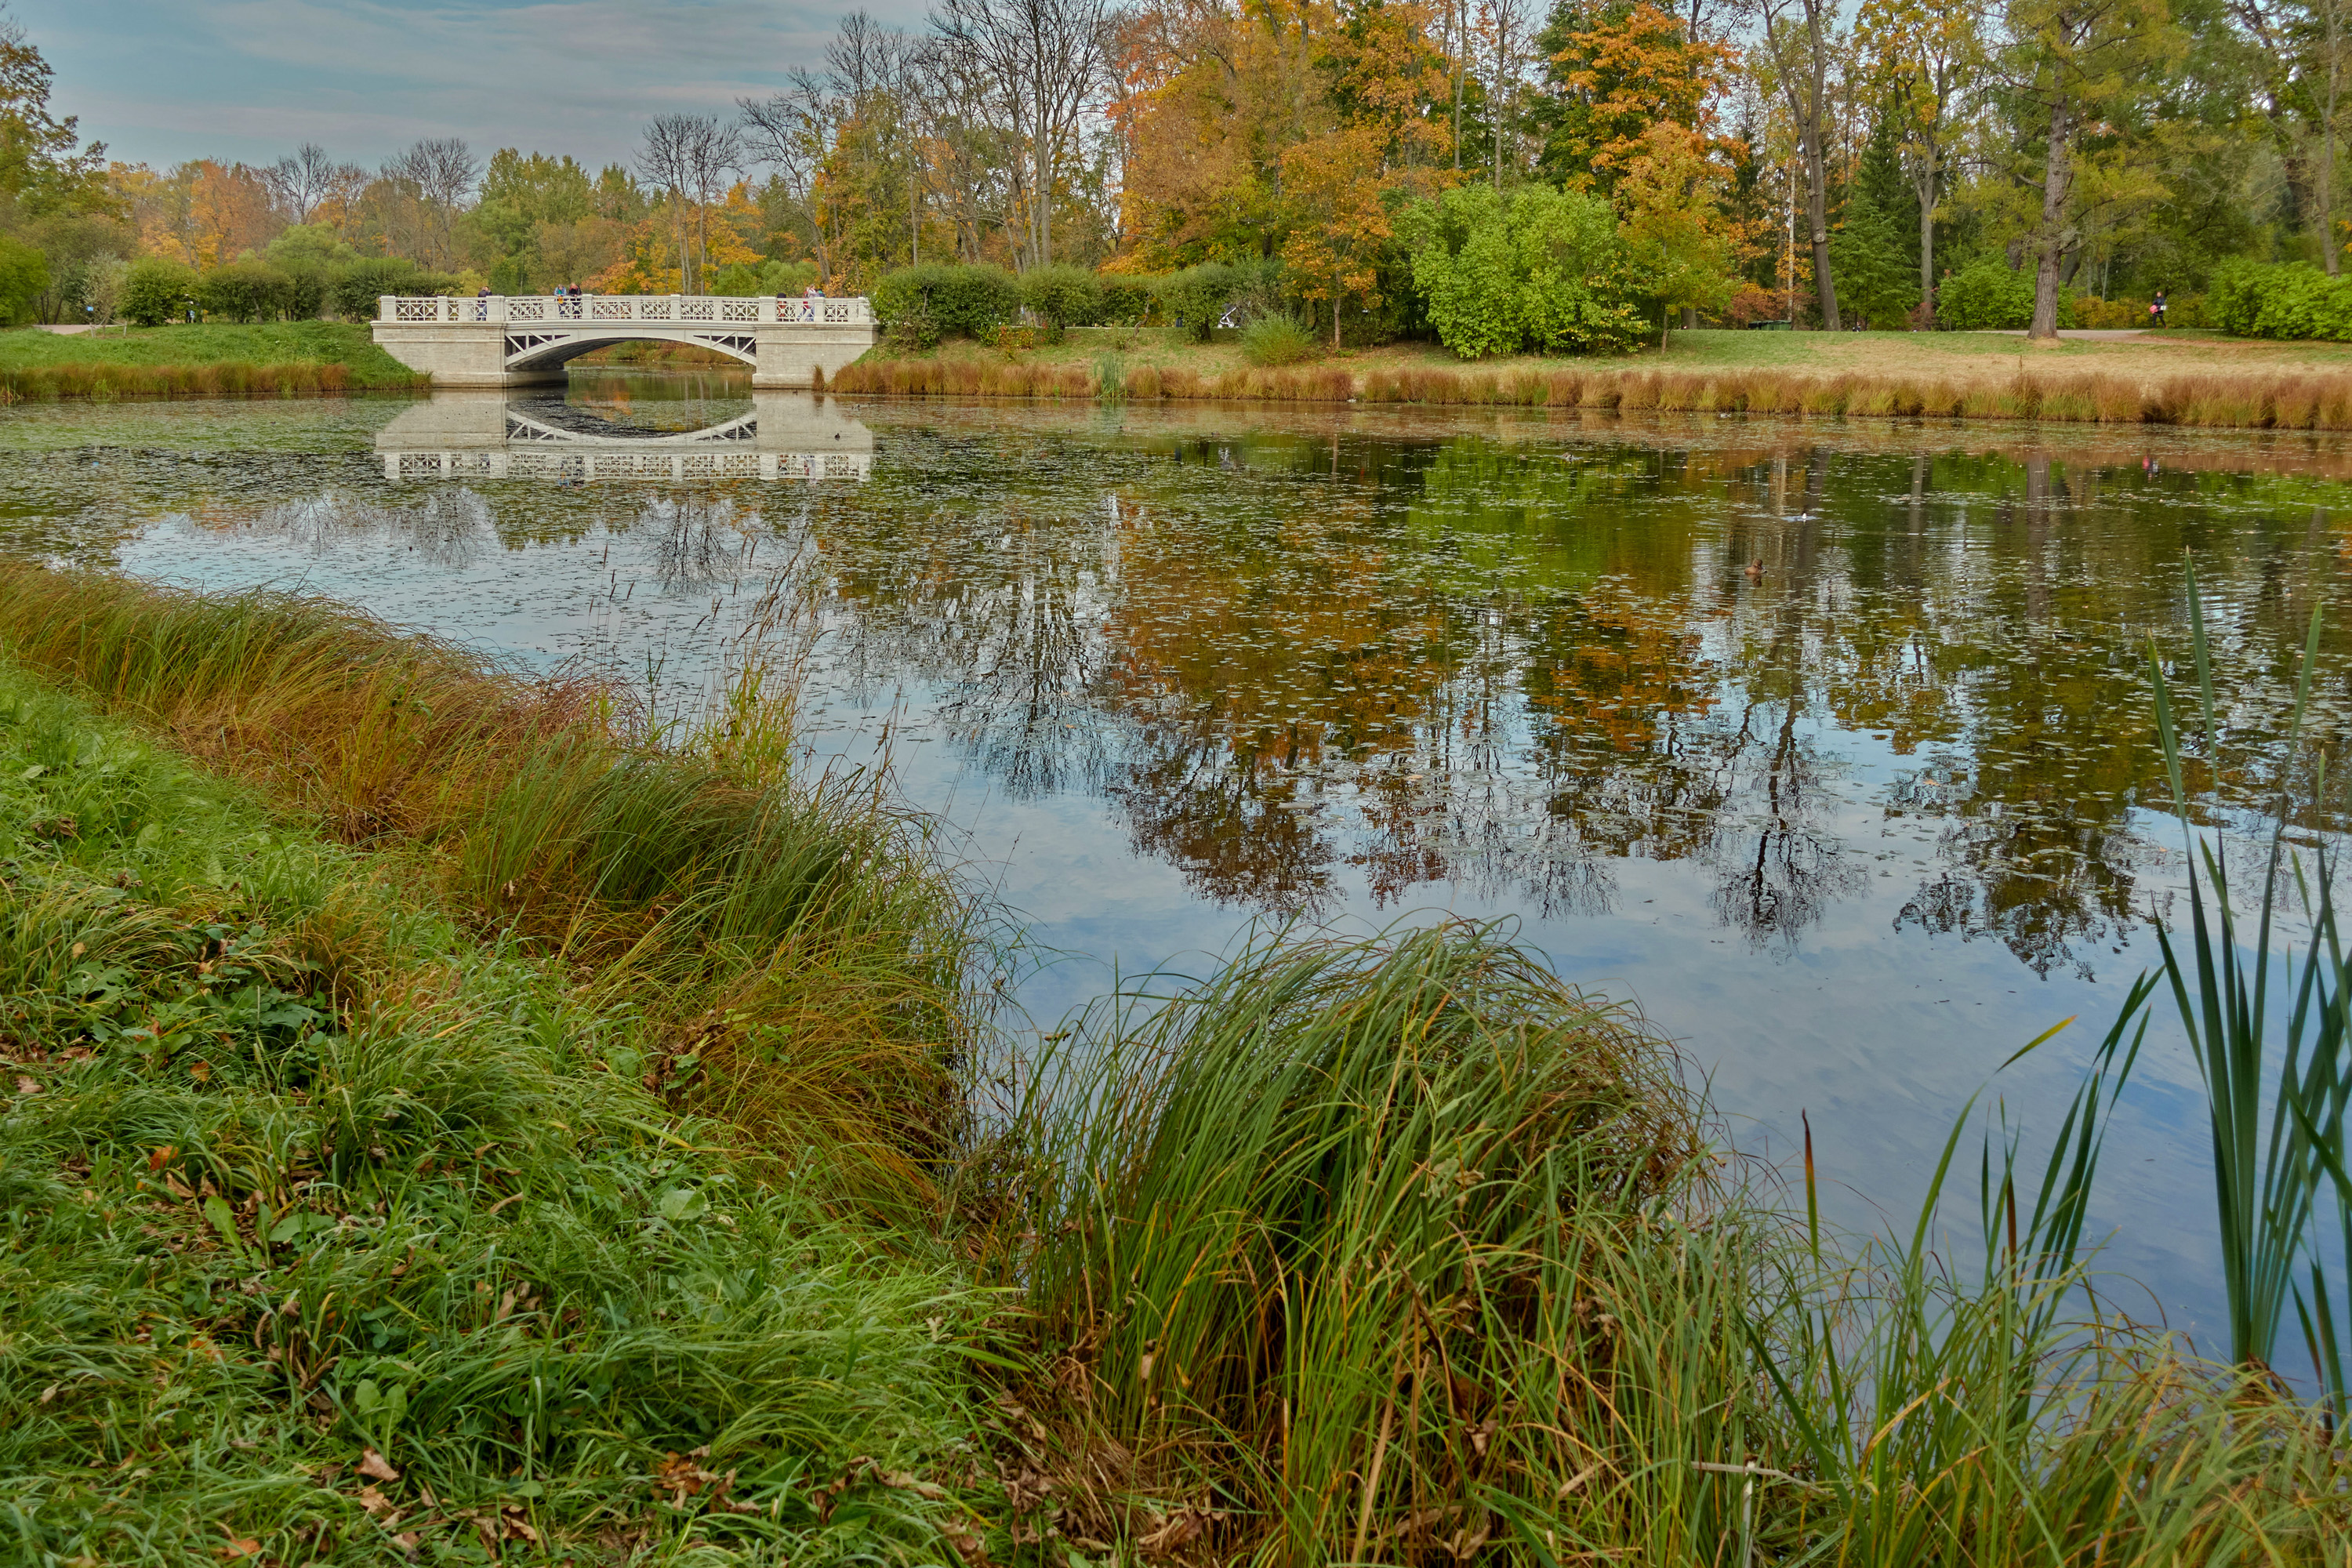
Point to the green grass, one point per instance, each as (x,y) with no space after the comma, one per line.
(168,359)
(305,1187)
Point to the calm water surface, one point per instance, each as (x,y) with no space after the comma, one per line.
(1828,745)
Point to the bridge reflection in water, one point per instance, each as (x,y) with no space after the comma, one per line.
(497,435)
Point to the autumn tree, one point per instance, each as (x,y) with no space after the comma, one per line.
(1342,188)
(1614,72)
(1671,196)
(1211,98)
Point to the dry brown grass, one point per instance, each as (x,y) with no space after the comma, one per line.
(103,383)
(2235,400)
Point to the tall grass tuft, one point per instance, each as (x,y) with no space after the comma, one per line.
(1315,1231)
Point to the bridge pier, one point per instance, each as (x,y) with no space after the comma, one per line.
(519,341)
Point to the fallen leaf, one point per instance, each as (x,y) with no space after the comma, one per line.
(241,1547)
(373,1465)
(375,1501)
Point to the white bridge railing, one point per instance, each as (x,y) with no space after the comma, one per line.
(612,310)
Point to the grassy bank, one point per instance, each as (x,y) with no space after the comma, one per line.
(272,359)
(2238,400)
(420,1069)
(336,1233)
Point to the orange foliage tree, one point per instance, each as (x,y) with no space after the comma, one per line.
(1615,74)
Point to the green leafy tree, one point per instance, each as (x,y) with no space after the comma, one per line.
(1536,268)
(24,278)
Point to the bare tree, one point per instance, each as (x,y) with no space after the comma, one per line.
(714,151)
(791,132)
(301,183)
(437,174)
(666,161)
(1045,61)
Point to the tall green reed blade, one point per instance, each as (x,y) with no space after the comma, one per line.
(2265,1168)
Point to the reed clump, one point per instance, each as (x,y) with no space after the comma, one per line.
(2225,402)
(807,961)
(1399,1250)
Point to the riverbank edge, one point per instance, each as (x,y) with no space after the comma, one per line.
(2215,400)
(1657,1286)
(95,381)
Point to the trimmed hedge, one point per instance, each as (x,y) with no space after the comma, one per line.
(1063,296)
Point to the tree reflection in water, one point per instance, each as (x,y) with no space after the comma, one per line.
(1302,664)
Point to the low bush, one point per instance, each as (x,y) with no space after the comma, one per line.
(1195,299)
(155,290)
(743,277)
(1063,296)
(244,292)
(1126,300)
(1538,269)
(357,287)
(921,305)
(1278,339)
(1986,296)
(2288,299)
(24,278)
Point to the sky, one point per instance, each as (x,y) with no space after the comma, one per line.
(161,81)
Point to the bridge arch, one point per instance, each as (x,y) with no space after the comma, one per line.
(553,347)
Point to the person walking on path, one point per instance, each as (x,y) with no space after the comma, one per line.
(2155,309)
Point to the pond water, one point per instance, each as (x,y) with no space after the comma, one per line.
(1828,745)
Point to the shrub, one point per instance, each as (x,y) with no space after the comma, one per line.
(2294,299)
(1063,296)
(155,290)
(245,290)
(1986,296)
(358,285)
(1278,339)
(24,278)
(1197,297)
(1539,268)
(943,300)
(1125,300)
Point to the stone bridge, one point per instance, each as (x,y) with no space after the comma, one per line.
(515,339)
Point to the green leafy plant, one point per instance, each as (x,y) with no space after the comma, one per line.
(2275,1098)
(1278,340)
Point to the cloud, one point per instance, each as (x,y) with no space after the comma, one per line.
(160,82)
